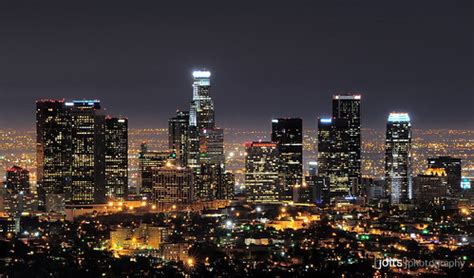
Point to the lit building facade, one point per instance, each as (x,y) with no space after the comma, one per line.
(211,147)
(452,166)
(398,175)
(71,152)
(17,196)
(17,179)
(201,115)
(147,160)
(333,159)
(288,134)
(347,108)
(226,189)
(262,180)
(88,153)
(53,150)
(431,187)
(116,157)
(172,184)
(178,128)
(202,106)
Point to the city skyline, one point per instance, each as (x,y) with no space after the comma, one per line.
(143,70)
(220,139)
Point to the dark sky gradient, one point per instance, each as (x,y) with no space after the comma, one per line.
(268,58)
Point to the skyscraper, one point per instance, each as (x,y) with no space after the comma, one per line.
(201,116)
(71,152)
(347,107)
(205,142)
(88,153)
(333,158)
(116,157)
(398,158)
(178,129)
(262,180)
(452,167)
(202,107)
(288,134)
(53,150)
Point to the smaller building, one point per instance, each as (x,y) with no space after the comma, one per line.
(431,186)
(172,184)
(175,251)
(17,197)
(262,180)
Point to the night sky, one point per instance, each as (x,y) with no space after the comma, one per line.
(268,58)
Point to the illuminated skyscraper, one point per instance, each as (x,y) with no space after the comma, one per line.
(262,180)
(88,153)
(202,107)
(333,156)
(288,134)
(201,116)
(398,158)
(178,128)
(116,157)
(71,152)
(347,107)
(53,150)
(205,142)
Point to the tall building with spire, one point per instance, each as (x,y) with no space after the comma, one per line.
(201,116)
(196,143)
(202,106)
(205,142)
(398,173)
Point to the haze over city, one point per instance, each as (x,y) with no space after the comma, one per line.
(268,59)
